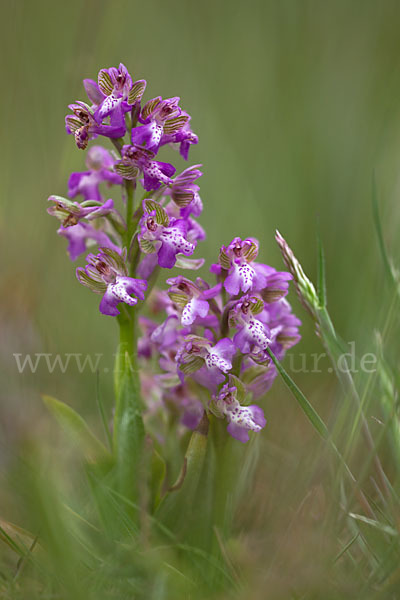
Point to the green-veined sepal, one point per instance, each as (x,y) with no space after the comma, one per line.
(193,365)
(171,126)
(183,262)
(179,299)
(224,260)
(96,286)
(162,217)
(150,106)
(136,92)
(105,83)
(126,170)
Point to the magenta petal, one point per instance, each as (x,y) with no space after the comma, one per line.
(258,415)
(108,304)
(93,91)
(166,256)
(239,433)
(232,283)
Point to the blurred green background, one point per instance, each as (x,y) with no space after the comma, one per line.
(297,108)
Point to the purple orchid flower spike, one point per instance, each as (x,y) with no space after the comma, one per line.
(100,164)
(241,419)
(252,334)
(79,236)
(136,159)
(159,118)
(106,274)
(211,362)
(191,298)
(84,127)
(159,233)
(70,213)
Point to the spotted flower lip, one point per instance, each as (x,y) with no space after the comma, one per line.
(190,298)
(168,237)
(252,334)
(241,419)
(158,117)
(136,159)
(236,259)
(198,353)
(106,274)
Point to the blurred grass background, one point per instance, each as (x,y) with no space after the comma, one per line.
(297,106)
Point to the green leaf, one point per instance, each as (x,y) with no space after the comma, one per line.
(378,228)
(381,526)
(158,471)
(105,83)
(129,432)
(176,507)
(161,215)
(102,412)
(346,547)
(321,287)
(304,404)
(7,530)
(76,427)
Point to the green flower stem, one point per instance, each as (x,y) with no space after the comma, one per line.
(129,433)
(130,193)
(227,451)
